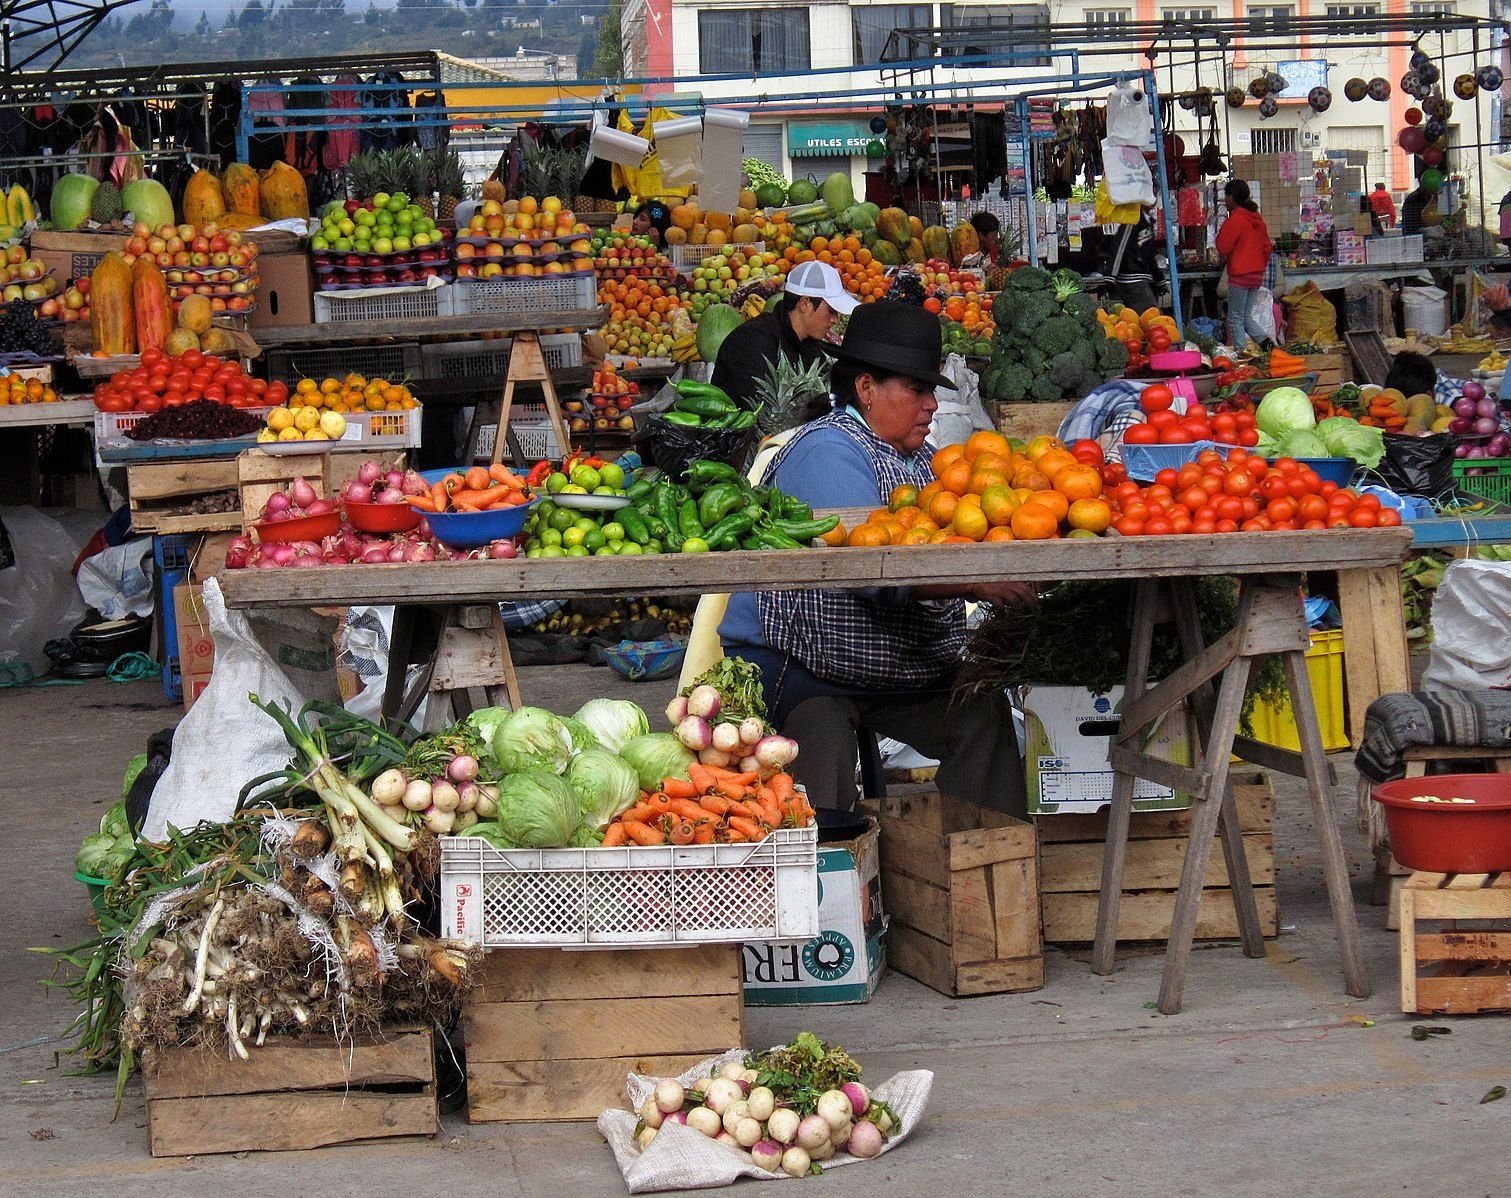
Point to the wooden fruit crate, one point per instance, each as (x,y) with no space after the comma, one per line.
(960,888)
(1332,370)
(292,1094)
(1451,970)
(163,494)
(549,1031)
(1070,871)
(259,475)
(1025,420)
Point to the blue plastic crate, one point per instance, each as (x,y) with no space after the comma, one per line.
(173,555)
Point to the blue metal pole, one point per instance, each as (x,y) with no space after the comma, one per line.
(1155,106)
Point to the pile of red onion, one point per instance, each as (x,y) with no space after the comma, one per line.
(374,484)
(299,500)
(1477,421)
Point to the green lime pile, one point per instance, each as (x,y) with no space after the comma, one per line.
(390,224)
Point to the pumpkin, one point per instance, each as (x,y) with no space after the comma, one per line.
(111,318)
(204,203)
(150,304)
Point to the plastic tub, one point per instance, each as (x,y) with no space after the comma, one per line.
(1175,361)
(1331,470)
(1431,831)
(471,530)
(96,888)
(300,528)
(382,517)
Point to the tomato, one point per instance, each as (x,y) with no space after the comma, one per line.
(1156,398)
(1128,526)
(1248,437)
(1280,509)
(1364,517)
(1314,524)
(1088,451)
(1328,489)
(276,393)
(1273,487)
(237,386)
(175,399)
(1286,465)
(1197,428)
(1186,476)
(1192,498)
(1181,524)
(1239,483)
(1283,526)
(1163,419)
(1225,426)
(1312,507)
(1244,419)
(1250,507)
(1141,434)
(1159,527)
(113,403)
(1368,502)
(1227,525)
(1210,484)
(153,403)
(1230,507)
(1222,362)
(1133,345)
(1388,517)
(216,392)
(1175,436)
(1113,474)
(1124,490)
(1136,511)
(1167,477)
(1201,527)
(258,386)
(1196,409)
(1297,487)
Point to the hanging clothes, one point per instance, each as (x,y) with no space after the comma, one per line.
(266,145)
(432,138)
(988,149)
(225,120)
(385,122)
(303,146)
(188,125)
(341,144)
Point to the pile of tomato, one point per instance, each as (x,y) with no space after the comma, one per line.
(169,382)
(1162,426)
(1241,493)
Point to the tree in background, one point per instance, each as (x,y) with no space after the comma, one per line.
(608,63)
(202,27)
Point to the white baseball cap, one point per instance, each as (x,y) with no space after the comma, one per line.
(819,280)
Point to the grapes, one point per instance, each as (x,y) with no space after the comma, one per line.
(21,331)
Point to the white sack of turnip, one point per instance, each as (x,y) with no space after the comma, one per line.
(678,1157)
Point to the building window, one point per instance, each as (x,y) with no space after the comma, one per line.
(767,41)
(1188,16)
(1271,18)
(1354,12)
(1108,18)
(1272,141)
(1432,8)
(873,25)
(1030,18)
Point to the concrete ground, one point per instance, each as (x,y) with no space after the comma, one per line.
(1268,1083)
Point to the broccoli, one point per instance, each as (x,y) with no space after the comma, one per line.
(1028,278)
(1035,359)
(1066,283)
(1031,310)
(1066,371)
(1089,355)
(1114,355)
(1002,309)
(1088,384)
(1057,334)
(1084,308)
(1011,382)
(1046,390)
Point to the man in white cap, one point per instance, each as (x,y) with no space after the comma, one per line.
(795,327)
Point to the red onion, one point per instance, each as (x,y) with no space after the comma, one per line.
(368,473)
(1461,451)
(1473,390)
(502,550)
(422,530)
(277,502)
(282,554)
(1459,425)
(241,544)
(357,492)
(320,507)
(237,559)
(421,553)
(307,560)
(1486,426)
(394,479)
(1464,407)
(1487,407)
(375,555)
(267,562)
(279,517)
(413,484)
(301,493)
(392,496)
(1500,446)
(397,552)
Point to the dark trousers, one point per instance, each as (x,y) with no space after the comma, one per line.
(973,739)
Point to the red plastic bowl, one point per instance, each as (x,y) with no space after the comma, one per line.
(382,517)
(300,528)
(1429,832)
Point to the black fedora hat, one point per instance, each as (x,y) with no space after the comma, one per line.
(897,338)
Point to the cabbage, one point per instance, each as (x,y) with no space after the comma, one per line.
(1284,410)
(605,786)
(114,823)
(582,736)
(93,857)
(532,739)
(586,838)
(1303,443)
(536,810)
(613,721)
(1265,446)
(1347,438)
(656,756)
(485,721)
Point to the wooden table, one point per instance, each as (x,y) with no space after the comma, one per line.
(1271,621)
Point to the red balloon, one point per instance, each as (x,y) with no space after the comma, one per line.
(1412,140)
(1413,116)
(1432,156)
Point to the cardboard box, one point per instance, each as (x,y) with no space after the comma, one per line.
(194,686)
(196,648)
(1069,732)
(285,291)
(844,962)
(73,255)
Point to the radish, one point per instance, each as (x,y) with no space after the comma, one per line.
(669,1095)
(704,701)
(865,1140)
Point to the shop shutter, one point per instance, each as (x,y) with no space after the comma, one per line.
(818,169)
(764,141)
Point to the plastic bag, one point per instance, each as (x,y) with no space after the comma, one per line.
(1127,175)
(285,656)
(1108,213)
(364,652)
(673,448)
(960,412)
(1263,312)
(118,580)
(38,597)
(1128,120)
(1417,465)
(1310,316)
(1471,628)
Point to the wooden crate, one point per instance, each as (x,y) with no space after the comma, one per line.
(960,887)
(292,1094)
(1070,871)
(162,494)
(551,1033)
(1448,969)
(260,475)
(1025,420)
(1331,370)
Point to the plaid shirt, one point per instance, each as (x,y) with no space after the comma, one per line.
(1106,413)
(868,640)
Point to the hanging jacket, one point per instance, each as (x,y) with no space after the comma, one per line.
(341,144)
(304,146)
(385,124)
(431,137)
(1244,241)
(225,120)
(266,144)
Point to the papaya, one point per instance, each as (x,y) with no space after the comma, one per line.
(887,254)
(203,203)
(892,224)
(111,319)
(284,195)
(913,251)
(916,227)
(241,221)
(150,304)
(241,190)
(936,242)
(964,241)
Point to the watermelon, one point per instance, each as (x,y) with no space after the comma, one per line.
(837,192)
(717,322)
(858,217)
(71,198)
(150,202)
(802,191)
(770,195)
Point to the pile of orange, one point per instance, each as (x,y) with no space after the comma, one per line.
(988,490)
(354,393)
(17,390)
(860,272)
(637,297)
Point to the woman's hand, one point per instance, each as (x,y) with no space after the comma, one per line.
(1005,594)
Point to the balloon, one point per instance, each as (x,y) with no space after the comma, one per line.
(876,149)
(1413,116)
(1412,140)
(878,124)
(1432,156)
(1431,179)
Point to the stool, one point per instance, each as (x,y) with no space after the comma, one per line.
(1467,971)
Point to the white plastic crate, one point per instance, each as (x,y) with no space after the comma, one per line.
(622,897)
(526,295)
(1405,248)
(399,303)
(383,430)
(490,359)
(112,426)
(536,441)
(685,257)
(392,362)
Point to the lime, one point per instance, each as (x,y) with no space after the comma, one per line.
(652,546)
(604,489)
(577,551)
(604,551)
(534,551)
(574,489)
(594,540)
(573,537)
(553,551)
(585,477)
(550,537)
(630,549)
(612,474)
(586,523)
(563,518)
(695,545)
(613,532)
(555,481)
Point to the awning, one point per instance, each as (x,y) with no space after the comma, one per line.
(828,139)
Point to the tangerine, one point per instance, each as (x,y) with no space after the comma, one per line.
(1034,522)
(1000,533)
(835,537)
(956,477)
(926,496)
(1003,463)
(986,441)
(970,521)
(869,536)
(903,496)
(942,509)
(946,457)
(1028,478)
(1079,482)
(999,505)
(1052,461)
(1054,501)
(1038,446)
(982,479)
(1090,515)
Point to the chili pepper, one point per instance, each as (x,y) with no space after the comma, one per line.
(718,501)
(682,419)
(709,406)
(688,523)
(704,473)
(666,505)
(775,538)
(806,530)
(643,486)
(538,473)
(634,525)
(728,531)
(691,388)
(795,509)
(743,421)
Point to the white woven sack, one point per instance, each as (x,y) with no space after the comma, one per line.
(1471,628)
(680,1158)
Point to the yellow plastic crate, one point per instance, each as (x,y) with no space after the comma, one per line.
(1275,723)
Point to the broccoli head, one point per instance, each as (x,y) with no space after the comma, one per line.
(1028,278)
(1066,371)
(1114,356)
(1066,283)
(1002,309)
(1089,355)
(1084,308)
(1030,310)
(1046,390)
(1035,359)
(1057,334)
(1010,382)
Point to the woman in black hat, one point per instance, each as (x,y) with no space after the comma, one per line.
(881,659)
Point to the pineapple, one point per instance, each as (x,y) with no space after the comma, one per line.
(450,182)
(786,392)
(418,170)
(361,176)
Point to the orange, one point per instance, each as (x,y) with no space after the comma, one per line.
(903,496)
(1000,533)
(869,536)
(926,523)
(956,477)
(879,516)
(982,479)
(1034,522)
(987,460)
(1054,501)
(970,521)
(835,536)
(907,517)
(954,538)
(1038,446)
(1079,482)
(1091,515)
(985,441)
(946,457)
(999,505)
(1028,478)
(940,537)
(943,507)
(1052,461)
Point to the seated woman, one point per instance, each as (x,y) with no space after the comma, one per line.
(651,219)
(883,659)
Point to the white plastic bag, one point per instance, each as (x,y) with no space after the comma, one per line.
(1263,312)
(38,597)
(1128,178)
(960,411)
(118,580)
(1471,628)
(1128,119)
(364,651)
(286,656)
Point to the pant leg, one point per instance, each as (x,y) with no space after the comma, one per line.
(1138,296)
(1240,300)
(825,729)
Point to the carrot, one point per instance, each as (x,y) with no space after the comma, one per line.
(781,786)
(498,497)
(704,833)
(502,474)
(701,777)
(689,809)
(643,834)
(716,804)
(423,502)
(747,828)
(477,479)
(439,496)
(639,813)
(679,788)
(732,777)
(683,833)
(614,835)
(749,807)
(454,482)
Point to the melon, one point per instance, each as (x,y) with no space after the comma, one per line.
(770,195)
(717,322)
(837,192)
(936,242)
(887,254)
(194,314)
(802,191)
(748,198)
(217,341)
(149,201)
(181,341)
(893,225)
(71,198)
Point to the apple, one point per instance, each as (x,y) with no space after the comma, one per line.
(163,259)
(183,258)
(220,258)
(175,276)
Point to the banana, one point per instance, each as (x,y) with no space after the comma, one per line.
(685,348)
(753,307)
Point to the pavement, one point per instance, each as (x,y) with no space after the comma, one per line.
(1268,1083)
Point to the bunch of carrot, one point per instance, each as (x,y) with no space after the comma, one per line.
(711,806)
(478,489)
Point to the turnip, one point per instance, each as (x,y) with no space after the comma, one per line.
(751,730)
(438,822)
(859,1096)
(647,1134)
(726,737)
(464,820)
(767,1154)
(783,1124)
(705,1120)
(761,1103)
(732,1116)
(749,765)
(715,757)
(796,1163)
(417,795)
(700,1085)
(775,752)
(725,1138)
(677,1117)
(704,701)
(443,796)
(833,1108)
(388,788)
(733,1070)
(669,1095)
(813,1131)
(466,798)
(884,1120)
(676,710)
(822,1153)
(487,801)
(865,1140)
(749,1075)
(721,1095)
(841,1133)
(747,1132)
(650,1114)
(694,732)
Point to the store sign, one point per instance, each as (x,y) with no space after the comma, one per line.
(829,139)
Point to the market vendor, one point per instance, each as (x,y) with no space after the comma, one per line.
(651,219)
(879,659)
(793,327)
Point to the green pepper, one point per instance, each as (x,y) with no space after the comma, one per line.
(688,523)
(643,486)
(774,538)
(682,419)
(703,473)
(709,406)
(795,509)
(635,527)
(692,389)
(666,505)
(728,531)
(718,501)
(743,421)
(806,530)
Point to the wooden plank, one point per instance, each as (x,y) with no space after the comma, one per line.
(991,845)
(1256,814)
(1422,880)
(915,903)
(999,977)
(424,328)
(1015,909)
(1283,761)
(1463,996)
(165,525)
(973,930)
(1460,904)
(923,810)
(914,851)
(540,974)
(1150,865)
(284,1063)
(1407,946)
(1183,778)
(555,1091)
(1463,946)
(1467,882)
(1072,918)
(576,1029)
(171,480)
(284,1122)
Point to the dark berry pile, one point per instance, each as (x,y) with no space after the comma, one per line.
(907,288)
(20,330)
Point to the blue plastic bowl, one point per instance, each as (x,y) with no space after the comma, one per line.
(1143,462)
(645,661)
(1332,470)
(470,530)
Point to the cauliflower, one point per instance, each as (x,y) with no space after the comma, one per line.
(1057,334)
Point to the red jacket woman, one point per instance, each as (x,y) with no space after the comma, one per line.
(1244,242)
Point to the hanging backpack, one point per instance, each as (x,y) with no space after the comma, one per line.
(303,145)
